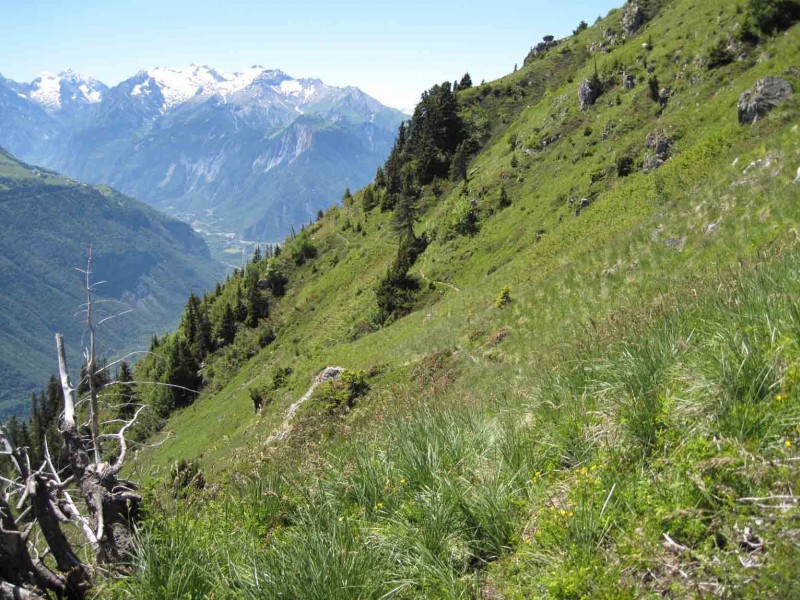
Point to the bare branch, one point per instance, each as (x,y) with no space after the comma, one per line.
(69,399)
(124,312)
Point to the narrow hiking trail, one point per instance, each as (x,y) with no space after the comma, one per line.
(450,285)
(283,431)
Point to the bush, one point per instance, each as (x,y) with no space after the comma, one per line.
(770,16)
(464,218)
(503,298)
(719,55)
(280,377)
(303,249)
(624,166)
(344,391)
(582,26)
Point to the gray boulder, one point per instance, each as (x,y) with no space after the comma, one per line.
(765,95)
(587,93)
(628,81)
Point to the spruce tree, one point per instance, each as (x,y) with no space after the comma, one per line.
(127,397)
(257,306)
(226,330)
(466,82)
(182,373)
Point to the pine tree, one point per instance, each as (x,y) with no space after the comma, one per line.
(257,255)
(127,397)
(205,341)
(458,166)
(182,373)
(466,82)
(226,330)
(239,309)
(257,306)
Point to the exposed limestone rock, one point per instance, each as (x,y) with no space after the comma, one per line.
(632,18)
(587,93)
(663,97)
(658,145)
(765,95)
(628,81)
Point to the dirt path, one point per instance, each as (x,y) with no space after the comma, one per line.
(283,431)
(450,285)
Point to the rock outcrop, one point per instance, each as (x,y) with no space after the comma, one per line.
(587,93)
(765,95)
(632,18)
(658,145)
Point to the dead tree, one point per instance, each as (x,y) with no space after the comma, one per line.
(88,493)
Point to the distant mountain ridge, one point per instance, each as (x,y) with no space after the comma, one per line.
(47,224)
(253,152)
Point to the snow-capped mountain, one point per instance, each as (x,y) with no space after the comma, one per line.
(57,92)
(257,148)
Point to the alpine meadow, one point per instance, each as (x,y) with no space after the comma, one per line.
(551,350)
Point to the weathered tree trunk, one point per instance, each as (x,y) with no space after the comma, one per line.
(17,568)
(112,506)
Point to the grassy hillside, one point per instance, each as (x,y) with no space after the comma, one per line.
(47,224)
(594,394)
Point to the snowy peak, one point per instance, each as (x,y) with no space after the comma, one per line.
(53,92)
(201,81)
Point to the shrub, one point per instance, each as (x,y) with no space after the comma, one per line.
(582,26)
(503,298)
(624,166)
(303,249)
(770,16)
(503,201)
(719,55)
(344,391)
(280,377)
(464,219)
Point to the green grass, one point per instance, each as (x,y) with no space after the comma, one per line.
(641,382)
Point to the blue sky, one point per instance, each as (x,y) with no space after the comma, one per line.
(391,50)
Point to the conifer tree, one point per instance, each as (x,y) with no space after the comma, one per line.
(239,309)
(227,326)
(127,396)
(257,306)
(466,82)
(182,373)
(458,166)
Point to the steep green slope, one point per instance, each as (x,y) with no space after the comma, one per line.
(621,421)
(47,224)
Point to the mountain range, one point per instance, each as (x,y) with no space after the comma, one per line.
(48,223)
(252,153)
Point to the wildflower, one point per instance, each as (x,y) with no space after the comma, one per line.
(527,540)
(341,519)
(378,506)
(780,397)
(562,512)
(788,443)
(402,480)
(570,514)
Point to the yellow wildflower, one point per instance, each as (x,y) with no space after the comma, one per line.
(788,443)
